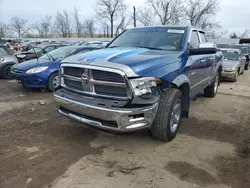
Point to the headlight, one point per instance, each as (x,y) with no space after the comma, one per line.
(1,58)
(36,70)
(142,86)
(21,56)
(230,69)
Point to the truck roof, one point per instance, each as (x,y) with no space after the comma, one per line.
(171,26)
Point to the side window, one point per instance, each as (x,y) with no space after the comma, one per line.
(194,41)
(203,37)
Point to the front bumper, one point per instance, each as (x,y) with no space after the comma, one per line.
(110,119)
(31,81)
(228,75)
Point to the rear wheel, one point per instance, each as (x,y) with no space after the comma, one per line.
(211,90)
(168,118)
(247,66)
(6,72)
(54,82)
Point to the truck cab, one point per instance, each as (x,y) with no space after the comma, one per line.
(144,79)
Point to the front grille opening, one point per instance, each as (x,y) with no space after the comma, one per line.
(112,124)
(107,76)
(73,71)
(112,91)
(73,84)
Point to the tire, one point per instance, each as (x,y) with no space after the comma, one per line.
(52,86)
(164,127)
(211,90)
(6,72)
(247,66)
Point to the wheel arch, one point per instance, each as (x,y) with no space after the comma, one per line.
(182,82)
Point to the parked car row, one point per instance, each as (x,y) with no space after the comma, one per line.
(236,60)
(97,44)
(37,51)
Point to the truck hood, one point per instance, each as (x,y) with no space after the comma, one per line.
(229,64)
(140,60)
(32,64)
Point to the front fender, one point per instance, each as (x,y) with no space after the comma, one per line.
(180,80)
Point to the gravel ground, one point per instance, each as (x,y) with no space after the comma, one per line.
(40,148)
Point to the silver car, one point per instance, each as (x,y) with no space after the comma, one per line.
(233,64)
(6,62)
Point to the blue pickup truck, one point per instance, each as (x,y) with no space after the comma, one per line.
(143,79)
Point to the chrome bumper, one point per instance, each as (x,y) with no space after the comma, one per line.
(124,119)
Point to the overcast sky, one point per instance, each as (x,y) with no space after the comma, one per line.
(234,15)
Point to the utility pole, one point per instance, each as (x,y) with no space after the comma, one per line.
(134,16)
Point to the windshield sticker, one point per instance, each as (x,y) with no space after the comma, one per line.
(175,31)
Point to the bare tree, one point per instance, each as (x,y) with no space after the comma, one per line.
(89,27)
(122,25)
(3,29)
(110,9)
(165,10)
(244,34)
(44,27)
(18,26)
(78,24)
(233,35)
(63,23)
(105,28)
(196,10)
(146,17)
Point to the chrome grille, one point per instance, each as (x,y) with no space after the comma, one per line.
(95,81)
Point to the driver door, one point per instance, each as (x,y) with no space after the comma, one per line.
(196,72)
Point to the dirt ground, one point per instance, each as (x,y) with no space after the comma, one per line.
(40,148)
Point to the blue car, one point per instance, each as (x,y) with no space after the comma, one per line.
(43,72)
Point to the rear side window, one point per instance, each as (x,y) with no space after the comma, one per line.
(194,41)
(203,37)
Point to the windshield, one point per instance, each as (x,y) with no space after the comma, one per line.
(232,56)
(36,49)
(244,49)
(152,38)
(59,53)
(4,51)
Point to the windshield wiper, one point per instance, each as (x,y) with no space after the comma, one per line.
(151,48)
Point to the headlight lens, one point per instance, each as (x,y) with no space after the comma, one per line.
(142,86)
(1,58)
(230,69)
(36,70)
(21,56)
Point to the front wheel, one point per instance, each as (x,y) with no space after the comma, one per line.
(168,118)
(211,90)
(6,72)
(54,82)
(236,77)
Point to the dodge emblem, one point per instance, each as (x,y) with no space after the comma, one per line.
(85,78)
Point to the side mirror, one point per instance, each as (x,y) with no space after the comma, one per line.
(204,48)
